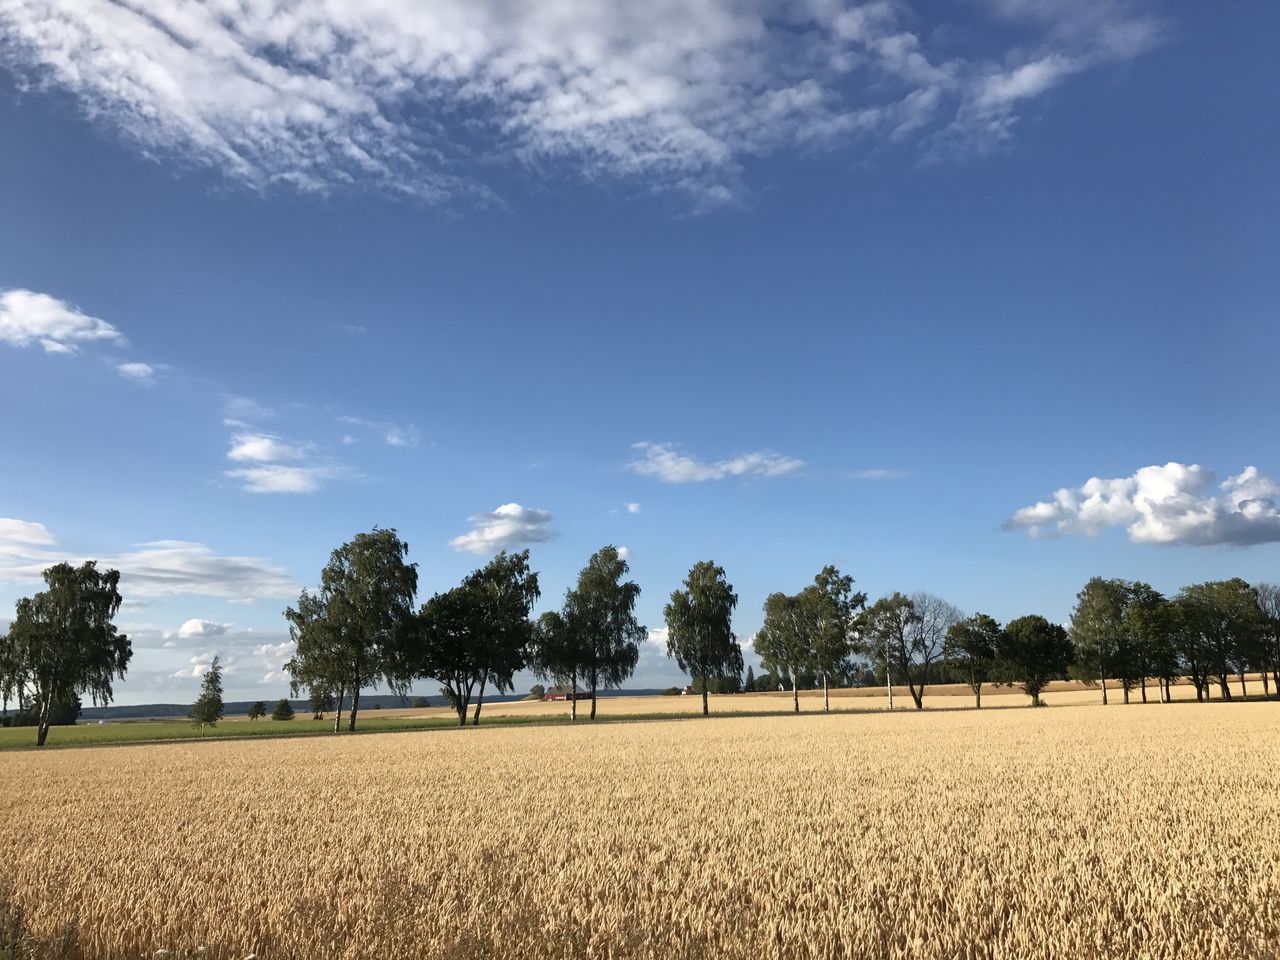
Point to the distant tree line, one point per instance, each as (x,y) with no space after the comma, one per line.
(360,629)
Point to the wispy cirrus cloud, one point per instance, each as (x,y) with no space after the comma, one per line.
(159,568)
(1171,504)
(676,94)
(665,462)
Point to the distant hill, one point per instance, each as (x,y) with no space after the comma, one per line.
(368,701)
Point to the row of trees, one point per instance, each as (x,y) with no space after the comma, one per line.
(360,629)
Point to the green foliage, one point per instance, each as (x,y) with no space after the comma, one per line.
(420,703)
(320,701)
(672,692)
(537,692)
(1221,630)
(479,632)
(257,710)
(1031,652)
(783,640)
(355,632)
(699,628)
(283,710)
(907,635)
(970,650)
(62,642)
(62,714)
(207,710)
(600,625)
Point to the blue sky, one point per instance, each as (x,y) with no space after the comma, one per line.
(805,283)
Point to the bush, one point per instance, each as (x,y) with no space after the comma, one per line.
(283,710)
(536,692)
(60,715)
(420,702)
(671,692)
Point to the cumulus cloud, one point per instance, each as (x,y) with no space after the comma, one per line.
(262,446)
(665,462)
(507,527)
(633,507)
(200,629)
(28,318)
(680,93)
(161,568)
(1171,504)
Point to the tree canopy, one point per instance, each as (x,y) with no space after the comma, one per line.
(63,643)
(355,631)
(699,627)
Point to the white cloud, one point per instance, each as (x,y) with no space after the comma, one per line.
(624,554)
(879,473)
(511,525)
(201,629)
(633,508)
(676,94)
(1171,504)
(666,463)
(393,434)
(279,478)
(161,568)
(141,373)
(238,410)
(28,318)
(262,446)
(402,436)
(658,637)
(14,532)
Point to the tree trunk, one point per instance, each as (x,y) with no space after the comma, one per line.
(1266,685)
(705,711)
(1104,689)
(1144,689)
(355,708)
(42,723)
(337,717)
(573,697)
(977,696)
(593,698)
(1226,690)
(1126,694)
(795,693)
(479,702)
(1275,679)
(826,696)
(1244,692)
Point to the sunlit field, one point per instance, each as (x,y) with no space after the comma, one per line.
(941,697)
(1069,832)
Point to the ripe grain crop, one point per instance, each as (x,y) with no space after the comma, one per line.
(1070,832)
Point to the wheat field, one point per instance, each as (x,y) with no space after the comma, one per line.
(1069,832)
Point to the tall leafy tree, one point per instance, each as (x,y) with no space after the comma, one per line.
(478,634)
(1149,627)
(1269,609)
(1223,624)
(501,594)
(783,641)
(356,631)
(207,710)
(1031,652)
(970,651)
(257,710)
(907,635)
(600,609)
(447,647)
(1098,631)
(832,610)
(63,643)
(699,627)
(558,655)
